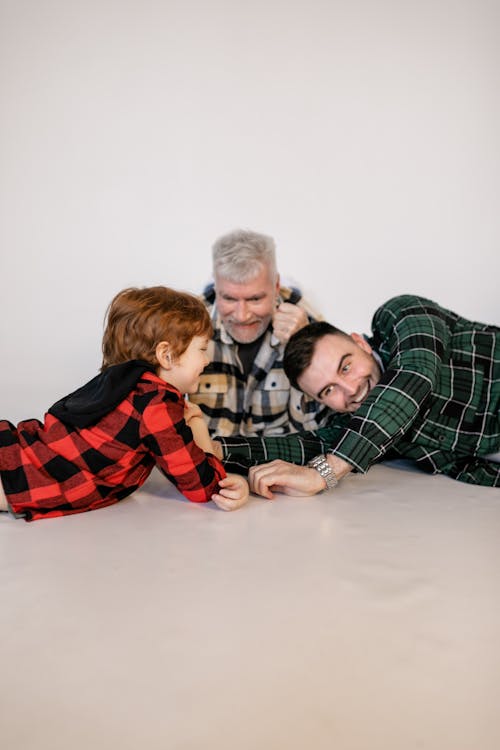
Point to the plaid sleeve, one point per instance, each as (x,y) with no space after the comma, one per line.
(413,335)
(297,448)
(166,434)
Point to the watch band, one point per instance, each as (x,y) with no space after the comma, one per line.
(323,467)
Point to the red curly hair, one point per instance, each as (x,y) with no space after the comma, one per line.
(138,319)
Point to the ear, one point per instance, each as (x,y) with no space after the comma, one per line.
(163,355)
(277,288)
(361,342)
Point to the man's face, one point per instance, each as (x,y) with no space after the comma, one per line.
(342,372)
(246,309)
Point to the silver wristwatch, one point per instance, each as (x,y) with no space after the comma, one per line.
(323,467)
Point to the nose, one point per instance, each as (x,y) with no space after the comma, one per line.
(340,396)
(241,311)
(349,388)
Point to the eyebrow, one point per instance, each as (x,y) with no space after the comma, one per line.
(339,367)
(257,295)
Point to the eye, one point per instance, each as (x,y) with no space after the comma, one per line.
(346,368)
(327,391)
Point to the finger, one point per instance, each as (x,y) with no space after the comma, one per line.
(293,316)
(263,470)
(225,503)
(261,486)
(280,489)
(221,502)
(272,482)
(231,494)
(289,312)
(229,481)
(286,308)
(233,486)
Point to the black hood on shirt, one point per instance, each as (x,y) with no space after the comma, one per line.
(100,395)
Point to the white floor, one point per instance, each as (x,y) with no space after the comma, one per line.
(365,619)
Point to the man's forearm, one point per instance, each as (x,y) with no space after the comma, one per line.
(297,448)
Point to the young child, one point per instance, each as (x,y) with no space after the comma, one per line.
(100,443)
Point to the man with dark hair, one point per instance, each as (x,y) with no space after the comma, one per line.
(425,386)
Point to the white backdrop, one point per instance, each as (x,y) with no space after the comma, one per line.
(362,135)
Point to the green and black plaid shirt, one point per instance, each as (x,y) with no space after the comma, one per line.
(437,402)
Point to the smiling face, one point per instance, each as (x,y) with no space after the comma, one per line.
(184,372)
(342,372)
(246,309)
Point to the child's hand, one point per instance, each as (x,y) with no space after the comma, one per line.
(191,410)
(233,492)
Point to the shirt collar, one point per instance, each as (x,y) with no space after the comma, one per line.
(375,354)
(378,359)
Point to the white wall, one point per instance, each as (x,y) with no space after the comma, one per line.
(362,135)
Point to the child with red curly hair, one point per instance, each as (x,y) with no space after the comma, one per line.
(100,443)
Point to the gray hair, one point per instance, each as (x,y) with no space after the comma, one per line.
(240,255)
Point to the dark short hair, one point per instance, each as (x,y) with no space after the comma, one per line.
(300,348)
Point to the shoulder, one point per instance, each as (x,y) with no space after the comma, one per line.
(159,406)
(411,321)
(408,303)
(208,299)
(293,295)
(208,294)
(152,390)
(404,306)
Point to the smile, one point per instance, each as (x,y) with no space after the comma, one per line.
(361,396)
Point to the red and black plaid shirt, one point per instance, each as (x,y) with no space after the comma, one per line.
(53,469)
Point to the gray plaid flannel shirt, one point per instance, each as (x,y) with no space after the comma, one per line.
(437,403)
(264,403)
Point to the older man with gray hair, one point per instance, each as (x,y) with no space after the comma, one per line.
(244,391)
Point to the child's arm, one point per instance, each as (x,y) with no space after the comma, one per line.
(233,492)
(194,418)
(178,439)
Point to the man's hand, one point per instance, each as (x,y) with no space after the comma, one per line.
(287,320)
(280,476)
(233,492)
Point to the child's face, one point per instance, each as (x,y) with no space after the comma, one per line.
(185,372)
